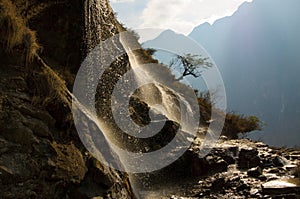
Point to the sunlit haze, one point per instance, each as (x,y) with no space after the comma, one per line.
(179,15)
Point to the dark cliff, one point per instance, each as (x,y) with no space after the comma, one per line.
(41,156)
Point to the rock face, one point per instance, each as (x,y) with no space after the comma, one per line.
(41,155)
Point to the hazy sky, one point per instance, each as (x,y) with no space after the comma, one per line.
(179,15)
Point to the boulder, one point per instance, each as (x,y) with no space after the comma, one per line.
(280,187)
(279,161)
(218,184)
(254,172)
(248,158)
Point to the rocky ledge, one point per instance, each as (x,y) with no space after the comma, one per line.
(237,169)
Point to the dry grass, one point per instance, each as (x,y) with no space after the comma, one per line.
(234,125)
(15,32)
(50,87)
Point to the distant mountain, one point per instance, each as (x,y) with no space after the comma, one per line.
(257,52)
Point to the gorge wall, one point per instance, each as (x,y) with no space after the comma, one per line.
(42,46)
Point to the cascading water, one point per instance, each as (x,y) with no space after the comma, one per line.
(165,100)
(108,124)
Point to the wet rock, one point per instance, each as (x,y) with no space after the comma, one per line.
(99,173)
(248,158)
(254,172)
(139,111)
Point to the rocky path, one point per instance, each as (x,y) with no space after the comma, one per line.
(239,169)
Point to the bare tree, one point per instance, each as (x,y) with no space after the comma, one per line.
(189,64)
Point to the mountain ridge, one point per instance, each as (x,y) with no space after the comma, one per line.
(255,50)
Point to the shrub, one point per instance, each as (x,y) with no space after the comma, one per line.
(234,125)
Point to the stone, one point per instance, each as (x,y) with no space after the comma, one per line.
(279,161)
(69,163)
(278,187)
(254,172)
(38,127)
(220,165)
(254,192)
(287,196)
(290,167)
(243,187)
(6,146)
(262,177)
(99,173)
(36,113)
(218,184)
(234,150)
(248,158)
(20,134)
(17,167)
(273,170)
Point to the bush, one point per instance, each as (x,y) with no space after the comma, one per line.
(234,125)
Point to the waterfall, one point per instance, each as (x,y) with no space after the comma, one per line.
(104,124)
(159,96)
